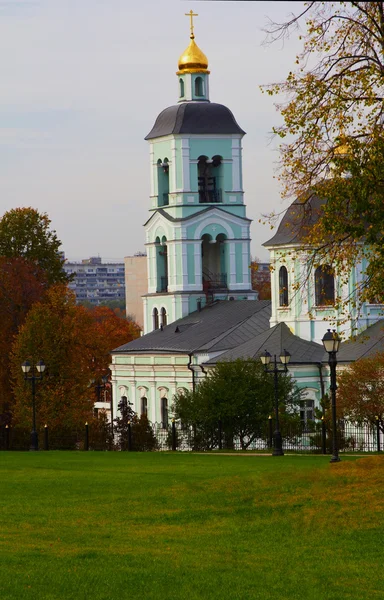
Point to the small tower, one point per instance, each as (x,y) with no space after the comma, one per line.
(197,237)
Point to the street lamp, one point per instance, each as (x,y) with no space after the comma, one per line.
(331,343)
(30,375)
(265,358)
(99,387)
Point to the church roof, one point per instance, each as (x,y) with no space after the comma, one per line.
(366,344)
(202,330)
(275,340)
(297,221)
(201,117)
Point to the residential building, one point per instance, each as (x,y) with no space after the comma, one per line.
(95,281)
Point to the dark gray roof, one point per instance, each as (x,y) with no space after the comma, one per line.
(298,219)
(201,330)
(367,343)
(275,340)
(195,117)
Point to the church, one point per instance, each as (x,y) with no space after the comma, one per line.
(200,307)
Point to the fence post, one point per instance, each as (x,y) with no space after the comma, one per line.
(270,432)
(378,433)
(46,444)
(220,435)
(129,436)
(86,443)
(173,435)
(323,436)
(7,437)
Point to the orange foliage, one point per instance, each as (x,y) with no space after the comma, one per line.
(74,343)
(360,394)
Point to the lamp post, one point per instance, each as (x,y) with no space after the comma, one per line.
(30,375)
(331,343)
(99,387)
(274,370)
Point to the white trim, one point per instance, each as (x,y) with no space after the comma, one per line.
(172,168)
(185,165)
(216,220)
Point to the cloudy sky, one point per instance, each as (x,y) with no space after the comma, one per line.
(82,82)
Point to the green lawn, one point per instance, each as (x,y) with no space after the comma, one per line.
(110,526)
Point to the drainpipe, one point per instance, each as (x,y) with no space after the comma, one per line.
(193,372)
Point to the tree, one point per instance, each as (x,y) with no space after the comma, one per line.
(25,233)
(239,394)
(332,134)
(59,332)
(139,429)
(360,395)
(21,285)
(75,344)
(260,280)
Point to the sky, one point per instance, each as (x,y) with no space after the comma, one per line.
(82,82)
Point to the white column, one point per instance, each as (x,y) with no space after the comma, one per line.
(232,264)
(153,178)
(236,179)
(172,187)
(185,165)
(198,265)
(153,403)
(246,264)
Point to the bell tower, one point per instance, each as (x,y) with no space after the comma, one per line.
(197,235)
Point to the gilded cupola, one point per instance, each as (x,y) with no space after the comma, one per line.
(192,60)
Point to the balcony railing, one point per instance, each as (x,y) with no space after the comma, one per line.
(210,196)
(215,281)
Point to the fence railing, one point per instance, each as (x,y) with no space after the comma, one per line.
(313,437)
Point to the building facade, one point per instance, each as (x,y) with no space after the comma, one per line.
(96,282)
(199,307)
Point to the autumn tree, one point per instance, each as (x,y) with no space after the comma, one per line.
(360,395)
(239,394)
(75,344)
(25,233)
(260,279)
(332,132)
(20,287)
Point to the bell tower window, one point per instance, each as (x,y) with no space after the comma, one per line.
(181,84)
(155,315)
(209,172)
(199,86)
(163,181)
(161,264)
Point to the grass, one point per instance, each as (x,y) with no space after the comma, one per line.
(110,526)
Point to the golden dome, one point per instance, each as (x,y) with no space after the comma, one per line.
(193,60)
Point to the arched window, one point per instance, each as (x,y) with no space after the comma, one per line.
(181,82)
(163,317)
(164,412)
(324,286)
(144,406)
(210,179)
(283,286)
(199,88)
(155,316)
(163,181)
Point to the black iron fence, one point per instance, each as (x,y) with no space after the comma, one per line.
(312,437)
